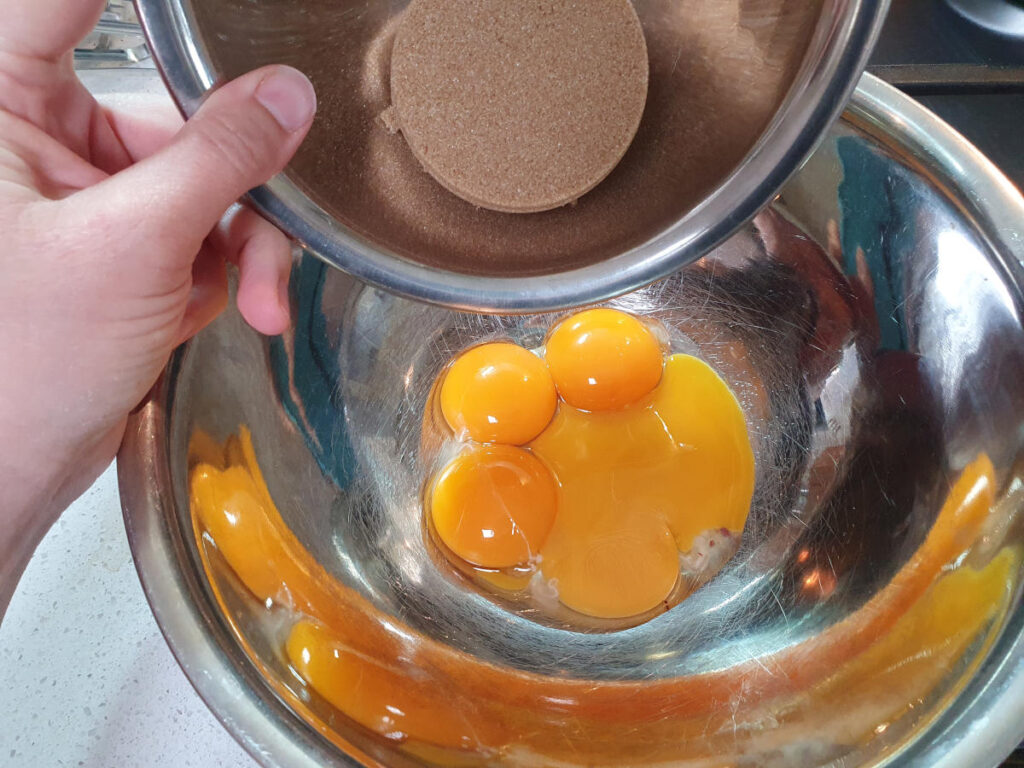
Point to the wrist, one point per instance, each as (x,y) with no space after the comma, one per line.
(26,514)
(37,482)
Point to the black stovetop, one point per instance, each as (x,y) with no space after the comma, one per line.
(972,79)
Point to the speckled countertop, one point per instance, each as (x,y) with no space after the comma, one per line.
(86,679)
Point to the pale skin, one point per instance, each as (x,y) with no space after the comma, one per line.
(113,250)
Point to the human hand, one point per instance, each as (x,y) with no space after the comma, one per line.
(114,251)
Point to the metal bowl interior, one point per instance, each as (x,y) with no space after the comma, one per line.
(870,323)
(740,93)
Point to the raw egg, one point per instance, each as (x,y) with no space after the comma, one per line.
(637,487)
(603,359)
(498,393)
(494,506)
(645,465)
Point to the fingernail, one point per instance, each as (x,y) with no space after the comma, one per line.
(288,95)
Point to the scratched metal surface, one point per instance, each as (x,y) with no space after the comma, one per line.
(875,341)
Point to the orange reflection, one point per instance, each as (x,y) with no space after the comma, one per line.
(381,699)
(444,704)
(818,583)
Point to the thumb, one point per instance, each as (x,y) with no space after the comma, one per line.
(245,133)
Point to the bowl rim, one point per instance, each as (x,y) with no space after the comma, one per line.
(815,101)
(985,726)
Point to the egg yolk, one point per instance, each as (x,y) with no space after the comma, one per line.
(494,506)
(637,487)
(607,568)
(603,359)
(646,461)
(498,393)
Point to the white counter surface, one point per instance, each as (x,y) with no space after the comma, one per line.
(86,679)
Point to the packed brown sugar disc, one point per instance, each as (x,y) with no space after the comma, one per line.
(519,106)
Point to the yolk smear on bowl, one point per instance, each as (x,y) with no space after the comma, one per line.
(643,457)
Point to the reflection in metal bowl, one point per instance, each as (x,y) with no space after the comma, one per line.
(871,327)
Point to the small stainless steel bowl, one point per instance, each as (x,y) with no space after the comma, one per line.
(741,92)
(870,323)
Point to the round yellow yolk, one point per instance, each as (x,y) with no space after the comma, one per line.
(612,569)
(498,393)
(603,359)
(494,506)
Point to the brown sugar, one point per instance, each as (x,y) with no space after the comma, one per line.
(519,106)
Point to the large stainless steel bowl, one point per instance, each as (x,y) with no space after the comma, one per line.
(741,91)
(871,324)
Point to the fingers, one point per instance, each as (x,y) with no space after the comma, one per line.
(245,133)
(46,29)
(149,126)
(263,255)
(264,258)
(39,163)
(209,294)
(161,209)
